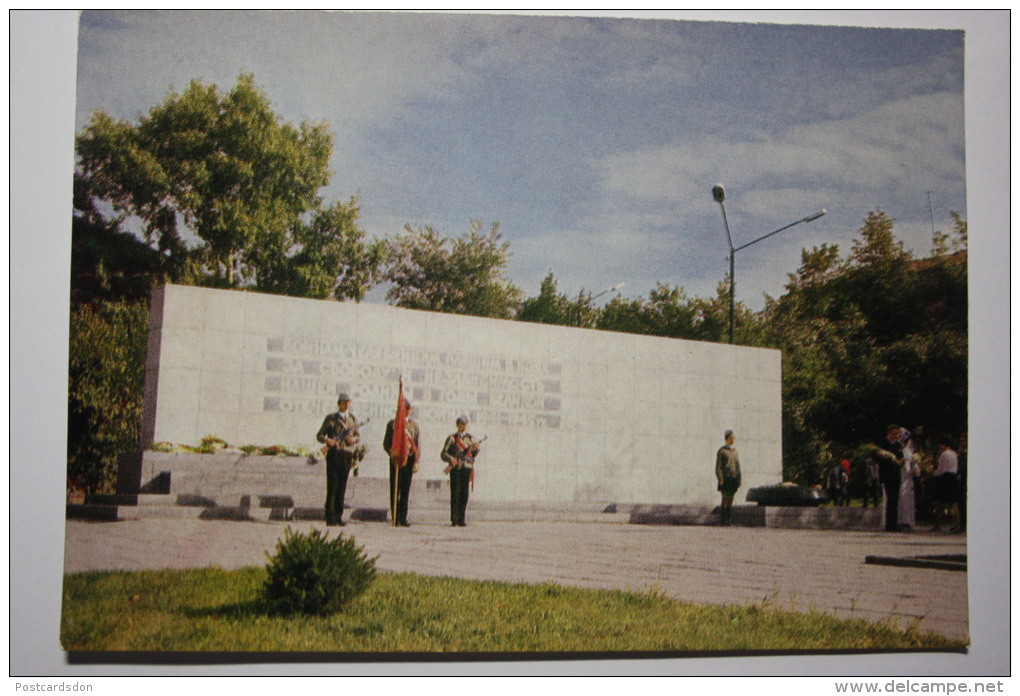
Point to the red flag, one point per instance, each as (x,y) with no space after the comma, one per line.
(399,445)
(402,444)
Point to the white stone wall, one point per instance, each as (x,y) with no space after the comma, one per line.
(572,415)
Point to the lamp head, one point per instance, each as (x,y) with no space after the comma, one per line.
(718,193)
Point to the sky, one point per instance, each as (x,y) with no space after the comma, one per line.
(593,142)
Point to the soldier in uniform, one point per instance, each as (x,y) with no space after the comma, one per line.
(339,432)
(401,476)
(459,453)
(727,473)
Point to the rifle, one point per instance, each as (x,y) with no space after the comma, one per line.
(465,455)
(339,440)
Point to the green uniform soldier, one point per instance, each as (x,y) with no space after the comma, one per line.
(727,474)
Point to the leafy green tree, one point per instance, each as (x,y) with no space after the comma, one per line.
(959,239)
(877,245)
(330,259)
(627,316)
(106,262)
(465,275)
(548,307)
(879,338)
(668,311)
(222,187)
(712,322)
(107,371)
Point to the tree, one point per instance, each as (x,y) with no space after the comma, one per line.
(667,312)
(548,307)
(106,262)
(959,232)
(712,319)
(222,170)
(877,245)
(460,276)
(881,338)
(107,369)
(330,258)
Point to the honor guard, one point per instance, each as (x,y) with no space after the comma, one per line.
(459,453)
(339,432)
(400,476)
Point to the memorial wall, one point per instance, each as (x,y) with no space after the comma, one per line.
(572,415)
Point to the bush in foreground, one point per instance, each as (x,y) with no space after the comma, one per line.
(312,574)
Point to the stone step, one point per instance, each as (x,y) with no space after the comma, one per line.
(432,510)
(230,489)
(429,514)
(759,516)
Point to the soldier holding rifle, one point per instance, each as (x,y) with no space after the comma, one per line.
(339,432)
(459,453)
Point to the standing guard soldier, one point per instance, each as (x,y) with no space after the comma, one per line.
(459,453)
(727,474)
(401,475)
(339,432)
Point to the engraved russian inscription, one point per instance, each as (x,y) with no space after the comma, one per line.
(304,375)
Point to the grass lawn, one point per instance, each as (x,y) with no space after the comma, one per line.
(217,610)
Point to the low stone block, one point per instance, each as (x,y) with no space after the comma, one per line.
(370,514)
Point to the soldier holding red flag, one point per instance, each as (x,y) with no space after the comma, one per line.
(401,443)
(459,453)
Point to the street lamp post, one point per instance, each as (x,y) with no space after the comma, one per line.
(719,194)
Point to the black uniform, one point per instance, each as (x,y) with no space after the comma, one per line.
(402,478)
(339,460)
(459,453)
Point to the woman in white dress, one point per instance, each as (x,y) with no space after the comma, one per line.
(907,473)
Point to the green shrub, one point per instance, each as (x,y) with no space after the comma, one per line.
(106,372)
(313,574)
(213,442)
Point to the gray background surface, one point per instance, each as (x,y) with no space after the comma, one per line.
(43,50)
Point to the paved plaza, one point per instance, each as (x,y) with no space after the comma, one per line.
(799,569)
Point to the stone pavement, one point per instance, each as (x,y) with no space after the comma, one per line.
(799,569)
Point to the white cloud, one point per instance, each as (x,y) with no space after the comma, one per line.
(877,151)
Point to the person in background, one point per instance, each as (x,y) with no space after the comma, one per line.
(872,483)
(909,469)
(947,509)
(961,482)
(836,485)
(888,454)
(727,474)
